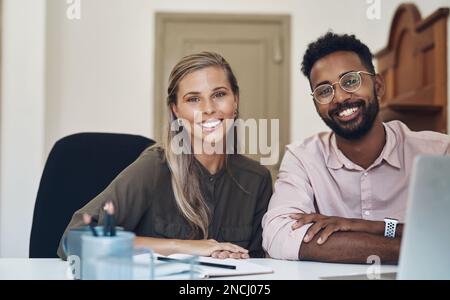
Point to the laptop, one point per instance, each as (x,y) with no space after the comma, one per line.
(425,249)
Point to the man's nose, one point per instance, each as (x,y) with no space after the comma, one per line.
(340,95)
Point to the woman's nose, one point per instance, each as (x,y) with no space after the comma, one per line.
(208,107)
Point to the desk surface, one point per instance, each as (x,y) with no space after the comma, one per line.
(55,269)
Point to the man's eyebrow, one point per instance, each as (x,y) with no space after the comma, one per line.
(320,83)
(329,82)
(342,74)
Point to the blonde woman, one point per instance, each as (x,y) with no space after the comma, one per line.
(193,202)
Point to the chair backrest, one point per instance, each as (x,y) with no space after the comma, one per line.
(78,168)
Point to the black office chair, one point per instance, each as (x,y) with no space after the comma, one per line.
(79,167)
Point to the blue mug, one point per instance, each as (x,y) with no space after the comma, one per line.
(107,257)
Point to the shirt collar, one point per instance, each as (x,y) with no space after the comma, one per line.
(337,159)
(390,154)
(391,151)
(205,174)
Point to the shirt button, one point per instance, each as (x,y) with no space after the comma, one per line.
(211,179)
(367,213)
(365,174)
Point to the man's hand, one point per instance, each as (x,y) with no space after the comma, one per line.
(328,225)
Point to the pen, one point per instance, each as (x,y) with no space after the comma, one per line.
(208,264)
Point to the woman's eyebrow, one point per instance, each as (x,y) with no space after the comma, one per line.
(191,93)
(220,87)
(194,93)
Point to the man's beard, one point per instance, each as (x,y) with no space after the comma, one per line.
(358,127)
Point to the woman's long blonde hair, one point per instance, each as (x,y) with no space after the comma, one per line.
(185,179)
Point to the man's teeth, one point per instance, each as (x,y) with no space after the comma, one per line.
(211,124)
(347,112)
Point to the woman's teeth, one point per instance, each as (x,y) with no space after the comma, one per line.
(211,124)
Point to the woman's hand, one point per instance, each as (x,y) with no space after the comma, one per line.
(211,248)
(228,254)
(194,247)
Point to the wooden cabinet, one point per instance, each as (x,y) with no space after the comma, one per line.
(414,66)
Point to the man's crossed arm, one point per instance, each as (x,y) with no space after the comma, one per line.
(342,240)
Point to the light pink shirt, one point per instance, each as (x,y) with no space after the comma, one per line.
(315,176)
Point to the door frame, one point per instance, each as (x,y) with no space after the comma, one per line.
(284,21)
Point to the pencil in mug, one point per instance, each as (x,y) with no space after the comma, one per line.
(112,219)
(87,219)
(106,221)
(109,228)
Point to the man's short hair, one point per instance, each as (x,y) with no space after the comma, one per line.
(332,42)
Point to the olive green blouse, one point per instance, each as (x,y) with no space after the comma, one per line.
(237,197)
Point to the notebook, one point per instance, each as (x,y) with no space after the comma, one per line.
(166,269)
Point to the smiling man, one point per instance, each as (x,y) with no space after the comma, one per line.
(339,194)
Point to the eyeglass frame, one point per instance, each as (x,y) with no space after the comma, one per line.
(339,82)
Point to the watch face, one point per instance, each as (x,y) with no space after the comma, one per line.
(389,228)
(390,220)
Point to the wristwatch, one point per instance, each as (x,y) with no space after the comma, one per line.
(389,227)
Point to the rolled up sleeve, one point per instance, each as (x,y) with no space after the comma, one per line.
(292,194)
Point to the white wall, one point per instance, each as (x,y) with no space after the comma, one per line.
(99,75)
(22,120)
(104,54)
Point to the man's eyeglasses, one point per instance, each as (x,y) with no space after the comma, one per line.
(350,82)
